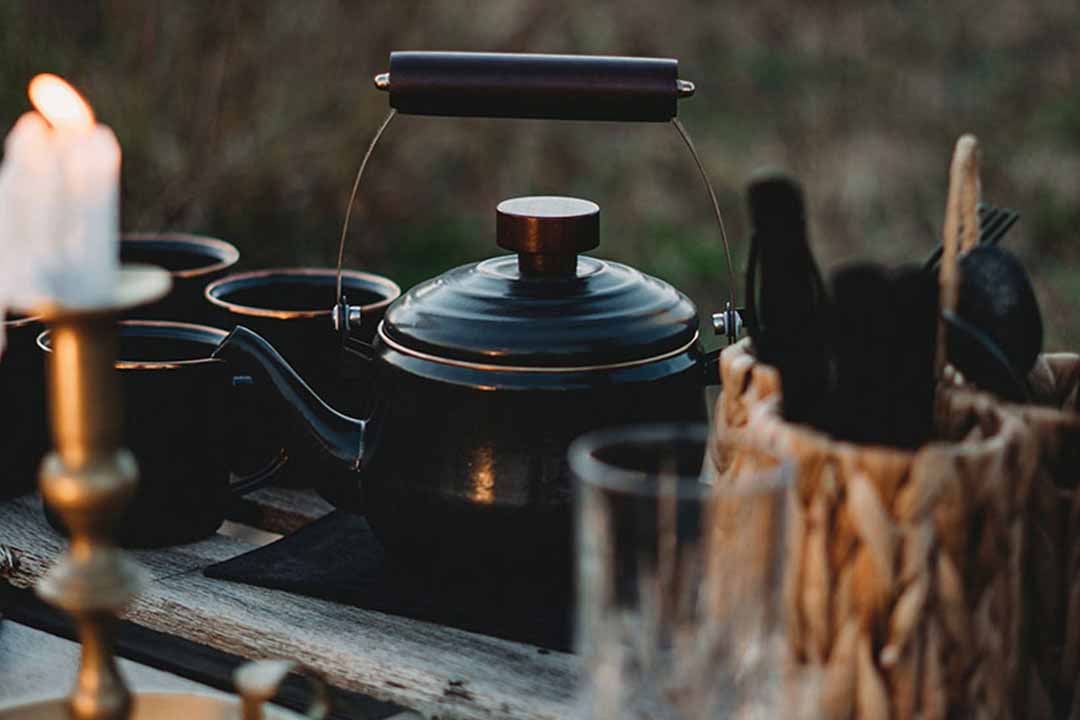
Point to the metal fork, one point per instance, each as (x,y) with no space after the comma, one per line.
(994,223)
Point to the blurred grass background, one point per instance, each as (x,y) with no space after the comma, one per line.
(246,119)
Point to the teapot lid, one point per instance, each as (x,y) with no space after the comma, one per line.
(547,307)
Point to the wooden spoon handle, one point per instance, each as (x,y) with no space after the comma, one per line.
(961,231)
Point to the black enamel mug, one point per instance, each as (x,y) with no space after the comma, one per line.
(193,261)
(24,437)
(292,308)
(181,408)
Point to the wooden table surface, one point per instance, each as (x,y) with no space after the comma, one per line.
(434,670)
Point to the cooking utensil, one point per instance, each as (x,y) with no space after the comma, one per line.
(958,235)
(994,223)
(193,261)
(862,341)
(911,381)
(181,409)
(996,296)
(994,229)
(882,341)
(982,362)
(789,313)
(832,354)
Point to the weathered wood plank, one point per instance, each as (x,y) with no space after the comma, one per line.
(436,670)
(23,527)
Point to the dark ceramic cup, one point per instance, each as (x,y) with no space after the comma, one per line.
(293,309)
(181,412)
(193,261)
(24,433)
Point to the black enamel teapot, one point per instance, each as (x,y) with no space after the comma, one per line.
(484,375)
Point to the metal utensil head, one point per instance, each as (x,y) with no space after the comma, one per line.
(982,362)
(996,296)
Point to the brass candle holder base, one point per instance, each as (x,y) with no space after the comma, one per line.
(93,580)
(87,480)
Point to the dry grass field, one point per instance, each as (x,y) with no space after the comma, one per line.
(246,119)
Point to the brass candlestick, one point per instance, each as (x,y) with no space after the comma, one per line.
(88,479)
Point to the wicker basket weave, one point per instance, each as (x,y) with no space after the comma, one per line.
(904,582)
(1053,558)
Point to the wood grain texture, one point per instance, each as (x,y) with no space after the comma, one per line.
(436,670)
(37,544)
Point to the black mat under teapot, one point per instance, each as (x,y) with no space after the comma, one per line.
(338,558)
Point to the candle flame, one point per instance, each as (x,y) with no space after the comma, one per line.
(60,103)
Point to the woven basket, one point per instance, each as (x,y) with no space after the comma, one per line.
(904,583)
(1055,531)
(1053,557)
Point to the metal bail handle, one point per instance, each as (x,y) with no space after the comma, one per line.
(517,85)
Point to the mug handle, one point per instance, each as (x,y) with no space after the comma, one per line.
(243,484)
(258,682)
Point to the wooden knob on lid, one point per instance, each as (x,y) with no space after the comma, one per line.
(547,232)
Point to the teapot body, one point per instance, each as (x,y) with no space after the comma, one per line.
(461,469)
(479,379)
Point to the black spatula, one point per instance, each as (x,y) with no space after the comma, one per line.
(786,299)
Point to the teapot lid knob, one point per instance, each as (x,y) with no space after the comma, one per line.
(547,232)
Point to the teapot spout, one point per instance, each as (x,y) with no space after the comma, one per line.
(341,437)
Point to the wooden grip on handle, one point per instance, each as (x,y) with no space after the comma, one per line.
(555,87)
(961,230)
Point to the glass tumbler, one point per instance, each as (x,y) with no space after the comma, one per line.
(680,576)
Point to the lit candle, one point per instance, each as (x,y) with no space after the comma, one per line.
(59,182)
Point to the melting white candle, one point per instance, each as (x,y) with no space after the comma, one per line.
(59,183)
